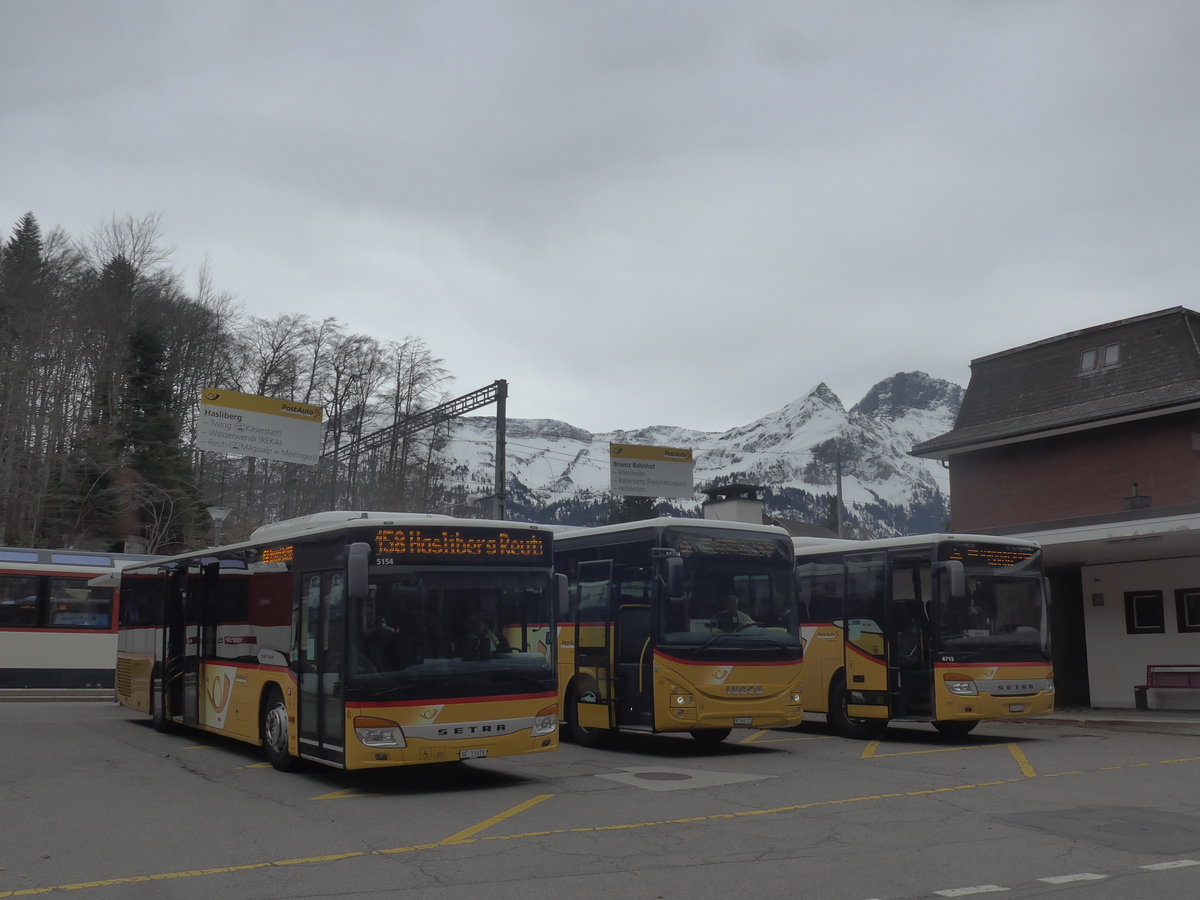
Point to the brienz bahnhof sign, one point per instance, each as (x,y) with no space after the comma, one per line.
(637,470)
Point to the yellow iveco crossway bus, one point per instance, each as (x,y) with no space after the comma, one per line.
(678,625)
(950,629)
(355,640)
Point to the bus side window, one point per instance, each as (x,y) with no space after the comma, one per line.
(595,578)
(804,581)
(828,592)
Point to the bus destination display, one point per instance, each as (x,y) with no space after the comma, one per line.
(991,555)
(475,545)
(730,546)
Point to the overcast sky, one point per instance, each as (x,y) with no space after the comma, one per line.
(679,213)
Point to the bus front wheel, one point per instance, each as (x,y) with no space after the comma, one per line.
(275,731)
(955,729)
(711,736)
(581,734)
(845,724)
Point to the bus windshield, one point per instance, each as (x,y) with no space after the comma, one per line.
(1002,608)
(997,611)
(731,605)
(425,634)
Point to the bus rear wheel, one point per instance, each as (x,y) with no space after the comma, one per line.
(275,731)
(955,729)
(845,724)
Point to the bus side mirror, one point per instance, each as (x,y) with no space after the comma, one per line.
(674,576)
(357,555)
(562,600)
(958,578)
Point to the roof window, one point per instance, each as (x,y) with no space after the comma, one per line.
(1095,359)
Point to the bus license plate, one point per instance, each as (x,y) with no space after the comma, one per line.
(742,721)
(1016,707)
(476,753)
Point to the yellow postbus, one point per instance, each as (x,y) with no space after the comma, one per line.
(950,629)
(354,640)
(678,625)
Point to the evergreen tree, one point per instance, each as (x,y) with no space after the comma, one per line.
(23,312)
(164,491)
(632,509)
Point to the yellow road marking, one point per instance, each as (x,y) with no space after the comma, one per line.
(463,836)
(466,836)
(1022,761)
(794,740)
(871,751)
(754,737)
(341,795)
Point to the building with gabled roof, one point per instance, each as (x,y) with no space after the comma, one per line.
(1089,443)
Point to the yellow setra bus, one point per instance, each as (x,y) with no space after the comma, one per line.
(678,625)
(354,640)
(950,629)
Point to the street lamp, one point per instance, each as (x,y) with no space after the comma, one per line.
(218,514)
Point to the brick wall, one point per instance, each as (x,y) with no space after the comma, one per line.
(1082,474)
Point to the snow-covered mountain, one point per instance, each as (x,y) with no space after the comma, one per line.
(559,473)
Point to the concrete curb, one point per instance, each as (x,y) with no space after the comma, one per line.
(43,695)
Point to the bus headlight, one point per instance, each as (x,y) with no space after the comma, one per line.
(546,721)
(962,688)
(378,732)
(795,698)
(678,700)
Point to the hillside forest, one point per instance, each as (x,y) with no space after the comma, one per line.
(104,351)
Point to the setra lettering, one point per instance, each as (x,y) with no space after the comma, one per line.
(464,730)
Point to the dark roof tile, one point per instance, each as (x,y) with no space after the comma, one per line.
(1040,387)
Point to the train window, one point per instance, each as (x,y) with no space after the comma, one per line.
(18,556)
(18,601)
(76,559)
(73,604)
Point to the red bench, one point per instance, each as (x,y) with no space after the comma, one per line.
(1185,677)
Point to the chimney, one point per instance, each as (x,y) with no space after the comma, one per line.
(734,503)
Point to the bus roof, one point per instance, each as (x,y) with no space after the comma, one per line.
(662,522)
(335,520)
(85,560)
(811,546)
(338,520)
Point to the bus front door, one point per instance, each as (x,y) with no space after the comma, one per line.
(910,672)
(179,698)
(635,707)
(865,687)
(321,727)
(594,688)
